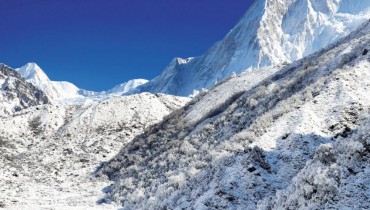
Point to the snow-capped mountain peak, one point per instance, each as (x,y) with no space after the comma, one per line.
(271,32)
(66,92)
(34,74)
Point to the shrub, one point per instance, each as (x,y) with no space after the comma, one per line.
(35,125)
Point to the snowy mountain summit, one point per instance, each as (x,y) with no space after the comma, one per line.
(60,91)
(271,32)
(55,90)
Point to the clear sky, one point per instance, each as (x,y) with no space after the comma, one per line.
(97,44)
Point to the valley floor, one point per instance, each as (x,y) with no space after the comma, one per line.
(49,152)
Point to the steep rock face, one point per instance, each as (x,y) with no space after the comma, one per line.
(271,32)
(48,152)
(295,138)
(16,93)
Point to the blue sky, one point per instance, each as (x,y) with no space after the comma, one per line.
(97,44)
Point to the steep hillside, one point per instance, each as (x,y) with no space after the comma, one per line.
(271,32)
(48,152)
(294,139)
(17,94)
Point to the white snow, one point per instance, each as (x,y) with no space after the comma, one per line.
(54,90)
(49,152)
(66,92)
(126,87)
(294,139)
(271,32)
(269,135)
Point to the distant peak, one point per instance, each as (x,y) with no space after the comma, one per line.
(32,71)
(32,64)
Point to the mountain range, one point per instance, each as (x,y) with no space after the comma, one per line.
(66,91)
(271,32)
(279,118)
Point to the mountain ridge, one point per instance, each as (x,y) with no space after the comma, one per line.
(290,134)
(17,94)
(266,35)
(62,90)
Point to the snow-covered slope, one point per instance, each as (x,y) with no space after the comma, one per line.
(48,152)
(298,139)
(66,91)
(125,87)
(271,32)
(16,93)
